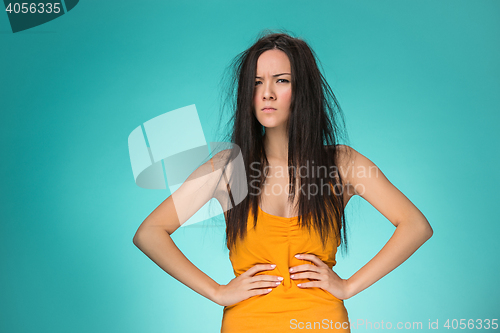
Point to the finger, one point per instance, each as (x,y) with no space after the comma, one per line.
(307,275)
(310,257)
(266,277)
(312,284)
(259,268)
(256,292)
(263,284)
(303,268)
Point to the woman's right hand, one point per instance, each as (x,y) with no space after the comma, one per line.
(247,285)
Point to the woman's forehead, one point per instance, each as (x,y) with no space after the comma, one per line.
(273,62)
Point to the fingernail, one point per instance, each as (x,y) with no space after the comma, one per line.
(297,255)
(291,276)
(291,269)
(280,278)
(273,266)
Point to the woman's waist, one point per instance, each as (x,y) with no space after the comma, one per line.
(283,264)
(288,298)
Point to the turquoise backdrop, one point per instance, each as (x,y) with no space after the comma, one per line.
(418,81)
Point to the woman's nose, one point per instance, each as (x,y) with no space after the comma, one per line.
(268,92)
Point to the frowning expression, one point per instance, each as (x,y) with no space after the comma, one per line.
(273,89)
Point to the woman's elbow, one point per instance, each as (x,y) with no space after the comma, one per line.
(421,229)
(427,230)
(137,238)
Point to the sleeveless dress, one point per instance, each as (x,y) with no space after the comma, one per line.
(287,308)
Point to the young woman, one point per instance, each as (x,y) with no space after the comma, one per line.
(284,188)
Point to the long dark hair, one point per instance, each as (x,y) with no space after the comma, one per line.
(315,127)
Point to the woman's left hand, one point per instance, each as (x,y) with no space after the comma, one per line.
(326,278)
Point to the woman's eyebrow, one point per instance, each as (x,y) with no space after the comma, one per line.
(275,75)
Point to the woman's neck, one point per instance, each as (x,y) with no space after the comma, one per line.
(276,143)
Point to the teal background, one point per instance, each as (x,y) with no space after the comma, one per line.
(417,80)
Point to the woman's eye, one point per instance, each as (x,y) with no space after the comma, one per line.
(279,80)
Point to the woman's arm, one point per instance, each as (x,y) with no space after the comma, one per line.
(412,228)
(153,235)
(154,240)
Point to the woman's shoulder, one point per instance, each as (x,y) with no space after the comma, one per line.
(344,154)
(220,159)
(345,158)
(355,167)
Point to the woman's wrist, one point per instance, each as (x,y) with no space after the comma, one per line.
(214,297)
(349,288)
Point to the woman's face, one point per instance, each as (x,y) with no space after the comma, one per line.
(273,89)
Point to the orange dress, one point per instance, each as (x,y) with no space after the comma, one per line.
(287,308)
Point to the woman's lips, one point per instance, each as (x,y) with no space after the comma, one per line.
(268,110)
